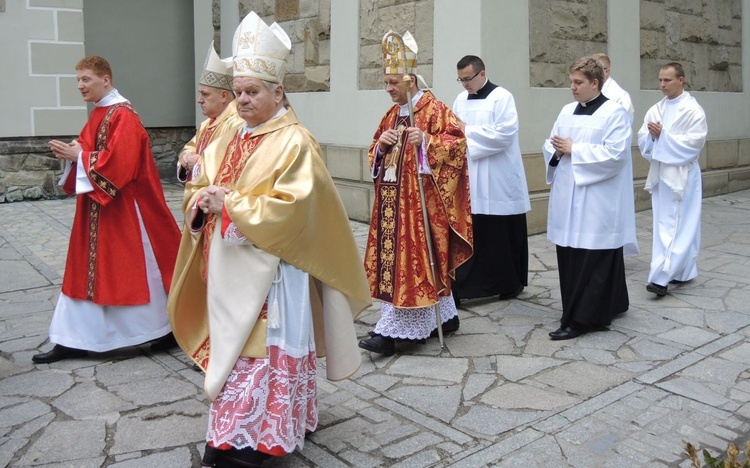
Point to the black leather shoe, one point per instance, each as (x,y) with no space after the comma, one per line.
(379,344)
(567,333)
(449,326)
(164,343)
(241,458)
(211,456)
(674,281)
(58,353)
(511,295)
(657,289)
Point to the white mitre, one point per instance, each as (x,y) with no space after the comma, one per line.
(259,50)
(216,72)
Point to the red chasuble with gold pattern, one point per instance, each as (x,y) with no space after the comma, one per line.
(396,259)
(106,263)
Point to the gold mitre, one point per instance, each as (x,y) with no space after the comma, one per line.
(398,49)
(260,50)
(216,73)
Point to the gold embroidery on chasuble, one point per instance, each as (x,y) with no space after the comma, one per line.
(388,194)
(107,187)
(447,203)
(238,152)
(208,133)
(389,198)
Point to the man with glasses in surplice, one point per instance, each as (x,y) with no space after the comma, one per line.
(499,194)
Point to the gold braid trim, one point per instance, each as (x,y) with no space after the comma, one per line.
(94,207)
(101,144)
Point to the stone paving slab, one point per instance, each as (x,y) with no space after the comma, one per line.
(499,394)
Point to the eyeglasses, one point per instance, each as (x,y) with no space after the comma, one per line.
(466,80)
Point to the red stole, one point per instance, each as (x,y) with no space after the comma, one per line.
(238,152)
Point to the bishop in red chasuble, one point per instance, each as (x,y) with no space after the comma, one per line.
(397,259)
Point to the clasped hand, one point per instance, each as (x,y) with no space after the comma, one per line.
(188,160)
(212,199)
(65,151)
(654,128)
(389,137)
(563,146)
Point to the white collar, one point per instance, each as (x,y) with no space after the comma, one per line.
(111,98)
(403,109)
(248,129)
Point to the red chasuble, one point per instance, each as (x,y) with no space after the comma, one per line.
(106,262)
(396,259)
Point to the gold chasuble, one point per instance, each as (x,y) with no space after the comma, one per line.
(284,202)
(210,130)
(397,260)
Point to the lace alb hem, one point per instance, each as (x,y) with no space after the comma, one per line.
(269,401)
(413,324)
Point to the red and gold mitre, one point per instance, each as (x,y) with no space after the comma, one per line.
(399,54)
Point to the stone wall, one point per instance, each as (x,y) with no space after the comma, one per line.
(29,171)
(216,24)
(560,32)
(308,23)
(725,168)
(706,37)
(377,17)
(166,144)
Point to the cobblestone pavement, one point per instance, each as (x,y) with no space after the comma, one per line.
(499,394)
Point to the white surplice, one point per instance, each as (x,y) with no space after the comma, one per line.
(497,180)
(591,202)
(675,184)
(614,92)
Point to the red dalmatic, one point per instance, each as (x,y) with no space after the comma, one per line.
(106,263)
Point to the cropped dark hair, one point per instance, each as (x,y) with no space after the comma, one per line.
(678,70)
(476,63)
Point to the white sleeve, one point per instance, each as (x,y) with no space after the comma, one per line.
(595,162)
(490,139)
(83,183)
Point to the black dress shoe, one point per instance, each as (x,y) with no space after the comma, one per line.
(164,343)
(58,353)
(449,326)
(657,289)
(379,344)
(211,456)
(511,295)
(567,333)
(241,458)
(674,281)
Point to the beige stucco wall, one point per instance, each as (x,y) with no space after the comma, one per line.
(43,39)
(40,39)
